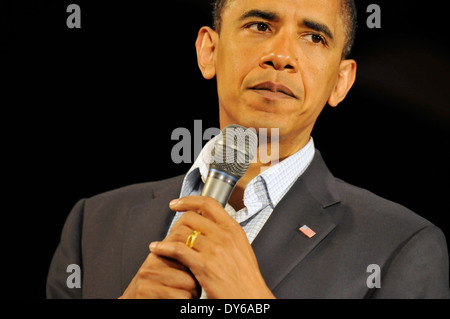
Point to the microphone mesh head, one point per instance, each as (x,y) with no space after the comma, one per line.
(234,149)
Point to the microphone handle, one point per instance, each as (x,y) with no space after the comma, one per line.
(219,185)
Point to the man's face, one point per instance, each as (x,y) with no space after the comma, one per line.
(277,63)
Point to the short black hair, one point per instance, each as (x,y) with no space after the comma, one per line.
(349,14)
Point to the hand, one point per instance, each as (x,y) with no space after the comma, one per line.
(161,278)
(221,258)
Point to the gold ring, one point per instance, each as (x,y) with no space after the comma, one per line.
(191,239)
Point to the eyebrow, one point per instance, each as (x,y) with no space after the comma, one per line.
(255,13)
(272,16)
(319,27)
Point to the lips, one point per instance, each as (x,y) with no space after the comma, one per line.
(273,90)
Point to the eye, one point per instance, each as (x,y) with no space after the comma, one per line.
(314,38)
(258,26)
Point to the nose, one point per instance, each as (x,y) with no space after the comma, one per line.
(280,55)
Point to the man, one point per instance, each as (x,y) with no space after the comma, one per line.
(291,230)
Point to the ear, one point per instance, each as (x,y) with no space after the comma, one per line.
(345,80)
(205,45)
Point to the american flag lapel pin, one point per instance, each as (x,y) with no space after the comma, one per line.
(307,231)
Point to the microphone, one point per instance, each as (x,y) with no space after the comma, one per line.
(233,151)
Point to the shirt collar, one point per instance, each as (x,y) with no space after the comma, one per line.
(277,179)
(198,170)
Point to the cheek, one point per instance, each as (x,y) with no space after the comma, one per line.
(235,59)
(232,67)
(318,77)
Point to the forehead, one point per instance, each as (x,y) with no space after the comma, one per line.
(324,11)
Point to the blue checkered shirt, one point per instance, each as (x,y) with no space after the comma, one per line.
(261,194)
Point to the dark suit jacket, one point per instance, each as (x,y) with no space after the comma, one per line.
(108,237)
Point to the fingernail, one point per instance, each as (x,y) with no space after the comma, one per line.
(153,245)
(173,202)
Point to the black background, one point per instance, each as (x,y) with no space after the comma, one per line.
(92,109)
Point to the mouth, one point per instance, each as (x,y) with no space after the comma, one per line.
(273,91)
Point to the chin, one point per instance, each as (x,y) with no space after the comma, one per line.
(261,114)
(264,124)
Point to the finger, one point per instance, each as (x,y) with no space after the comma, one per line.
(181,235)
(157,261)
(170,277)
(168,272)
(201,243)
(153,261)
(178,279)
(191,258)
(150,291)
(190,221)
(206,206)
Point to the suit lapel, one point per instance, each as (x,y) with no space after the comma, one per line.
(147,223)
(280,245)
